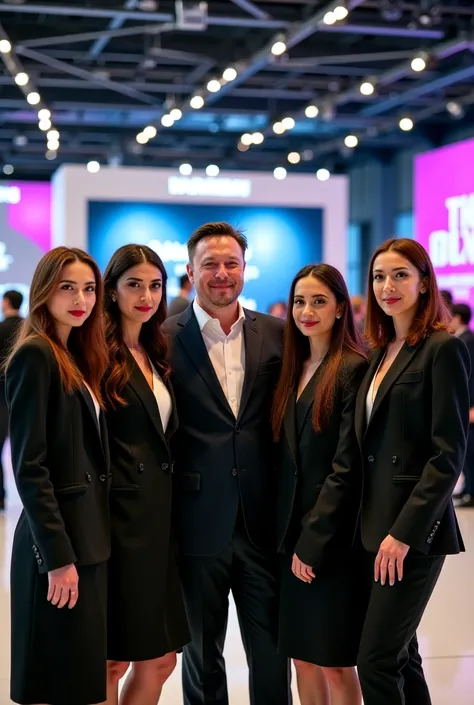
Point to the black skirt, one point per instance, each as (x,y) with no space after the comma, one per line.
(321,622)
(58,656)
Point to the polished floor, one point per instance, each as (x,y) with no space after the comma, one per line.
(446,635)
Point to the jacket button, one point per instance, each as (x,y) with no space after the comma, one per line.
(103,478)
(371,458)
(394,459)
(295,471)
(88,477)
(172,467)
(141,467)
(164,467)
(40,561)
(234,472)
(237,429)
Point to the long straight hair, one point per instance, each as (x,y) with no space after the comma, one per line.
(85,357)
(296,350)
(151,336)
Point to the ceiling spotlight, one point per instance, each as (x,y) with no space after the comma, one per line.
(185,170)
(367,88)
(329,18)
(278,128)
(8,170)
(21,79)
(53,135)
(33,98)
(278,48)
(167,121)
(142,138)
(44,125)
(323,174)
(340,12)
(51,155)
(44,114)
(197,102)
(418,64)
(5,46)
(20,141)
(294,158)
(455,109)
(150,132)
(257,138)
(280,173)
(242,147)
(351,141)
(229,74)
(406,124)
(288,123)
(214,86)
(247,139)
(311,111)
(93,167)
(176,114)
(212,170)
(53,145)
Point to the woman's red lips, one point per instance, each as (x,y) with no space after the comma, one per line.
(143,309)
(77,314)
(391,301)
(310,324)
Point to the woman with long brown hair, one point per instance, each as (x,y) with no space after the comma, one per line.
(147,622)
(322,600)
(61,467)
(412,419)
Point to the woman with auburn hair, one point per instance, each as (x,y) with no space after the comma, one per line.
(147,622)
(322,600)
(61,467)
(412,418)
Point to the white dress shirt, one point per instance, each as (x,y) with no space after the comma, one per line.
(226,352)
(163,398)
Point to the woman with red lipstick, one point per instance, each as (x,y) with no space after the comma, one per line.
(147,622)
(322,601)
(412,419)
(61,466)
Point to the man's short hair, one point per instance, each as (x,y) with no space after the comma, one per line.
(447,297)
(14,298)
(464,312)
(215,230)
(184,281)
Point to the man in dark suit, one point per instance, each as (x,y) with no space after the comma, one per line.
(11,304)
(182,301)
(225,365)
(460,325)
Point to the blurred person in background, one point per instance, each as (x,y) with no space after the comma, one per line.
(181,302)
(278,310)
(359,308)
(9,327)
(461,318)
(447,298)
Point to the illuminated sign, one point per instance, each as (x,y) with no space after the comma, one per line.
(202,186)
(10,194)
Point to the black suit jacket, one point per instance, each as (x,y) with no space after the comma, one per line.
(414,445)
(468,339)
(220,460)
(320,481)
(60,461)
(8,329)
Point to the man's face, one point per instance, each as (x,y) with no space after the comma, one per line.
(217,271)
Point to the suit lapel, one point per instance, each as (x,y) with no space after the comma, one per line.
(306,401)
(289,428)
(96,421)
(142,389)
(253,347)
(173,420)
(360,416)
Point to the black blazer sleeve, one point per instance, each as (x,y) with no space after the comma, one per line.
(425,506)
(342,485)
(28,382)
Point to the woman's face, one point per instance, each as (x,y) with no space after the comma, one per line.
(314,308)
(75,296)
(397,284)
(139,292)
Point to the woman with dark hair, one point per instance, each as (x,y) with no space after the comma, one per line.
(322,601)
(412,418)
(147,623)
(61,467)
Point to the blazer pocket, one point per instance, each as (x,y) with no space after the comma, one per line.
(406,478)
(410,377)
(125,488)
(269,367)
(70,489)
(190,481)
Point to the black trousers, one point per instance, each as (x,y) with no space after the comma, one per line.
(389,664)
(251,576)
(3,438)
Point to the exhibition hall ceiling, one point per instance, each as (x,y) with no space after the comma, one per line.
(237,84)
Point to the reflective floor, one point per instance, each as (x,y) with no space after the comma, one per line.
(446,635)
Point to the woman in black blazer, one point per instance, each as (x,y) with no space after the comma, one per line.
(412,418)
(61,467)
(147,622)
(322,601)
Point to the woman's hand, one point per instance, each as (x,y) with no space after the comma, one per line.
(63,586)
(389,560)
(301,570)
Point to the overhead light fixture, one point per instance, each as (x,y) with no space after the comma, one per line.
(367,88)
(214,86)
(176,114)
(167,121)
(455,109)
(294,158)
(22,78)
(5,46)
(33,98)
(311,111)
(197,102)
(229,74)
(247,139)
(278,128)
(8,169)
(150,132)
(258,138)
(340,12)
(53,145)
(51,155)
(45,124)
(20,141)
(185,170)
(323,175)
(351,141)
(243,147)
(53,135)
(329,18)
(44,114)
(93,167)
(142,138)
(280,173)
(212,170)
(418,64)
(278,48)
(288,123)
(406,124)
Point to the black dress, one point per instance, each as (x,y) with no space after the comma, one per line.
(321,622)
(146,616)
(61,466)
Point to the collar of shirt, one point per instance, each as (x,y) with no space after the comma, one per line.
(205,321)
(460,331)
